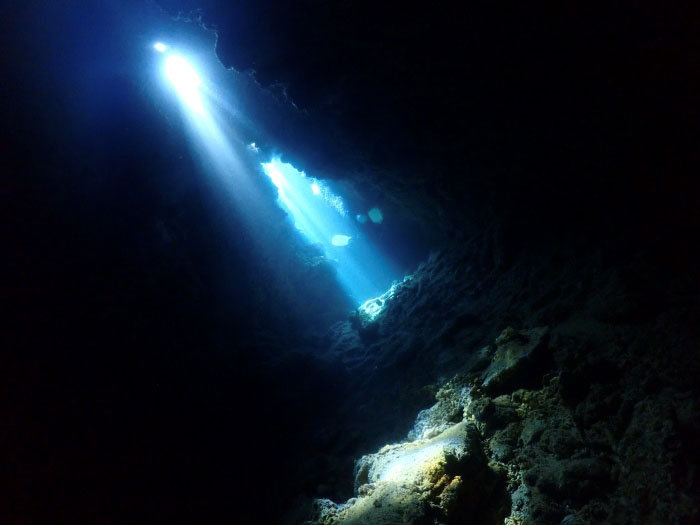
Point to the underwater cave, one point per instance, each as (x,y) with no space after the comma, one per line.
(350,262)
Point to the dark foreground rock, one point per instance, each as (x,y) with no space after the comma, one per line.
(590,418)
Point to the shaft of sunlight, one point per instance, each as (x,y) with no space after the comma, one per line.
(186,82)
(320,215)
(317,212)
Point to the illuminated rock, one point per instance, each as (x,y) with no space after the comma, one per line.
(441,478)
(451,400)
(370,310)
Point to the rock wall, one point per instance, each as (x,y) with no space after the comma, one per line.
(497,445)
(589,418)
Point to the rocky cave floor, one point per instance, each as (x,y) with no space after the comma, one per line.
(582,407)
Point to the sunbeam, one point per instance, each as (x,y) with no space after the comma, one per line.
(320,215)
(317,212)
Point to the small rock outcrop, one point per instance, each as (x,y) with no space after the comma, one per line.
(514,352)
(444,478)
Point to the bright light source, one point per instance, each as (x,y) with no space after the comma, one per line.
(360,268)
(186,82)
(273,171)
(316,189)
(340,240)
(160,47)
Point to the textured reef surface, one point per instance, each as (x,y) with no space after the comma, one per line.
(591,418)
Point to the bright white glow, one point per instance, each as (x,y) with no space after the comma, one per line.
(252,147)
(340,240)
(316,189)
(273,171)
(186,82)
(160,47)
(360,268)
(375,215)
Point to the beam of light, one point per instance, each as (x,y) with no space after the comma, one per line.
(209,134)
(186,82)
(340,240)
(317,212)
(160,47)
(361,269)
(212,136)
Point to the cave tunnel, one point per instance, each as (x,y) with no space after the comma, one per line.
(349,262)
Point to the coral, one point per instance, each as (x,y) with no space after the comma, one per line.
(496,446)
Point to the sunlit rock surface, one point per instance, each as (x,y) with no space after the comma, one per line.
(441,415)
(418,482)
(514,351)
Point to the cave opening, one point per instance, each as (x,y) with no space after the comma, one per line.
(348,233)
(322,217)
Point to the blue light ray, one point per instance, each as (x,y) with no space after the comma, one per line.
(211,136)
(320,216)
(186,82)
(316,211)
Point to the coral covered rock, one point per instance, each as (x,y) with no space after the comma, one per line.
(443,478)
(514,351)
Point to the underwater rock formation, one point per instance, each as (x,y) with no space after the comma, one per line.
(415,481)
(480,455)
(588,419)
(443,476)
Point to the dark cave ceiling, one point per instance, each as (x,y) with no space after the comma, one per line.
(469,111)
